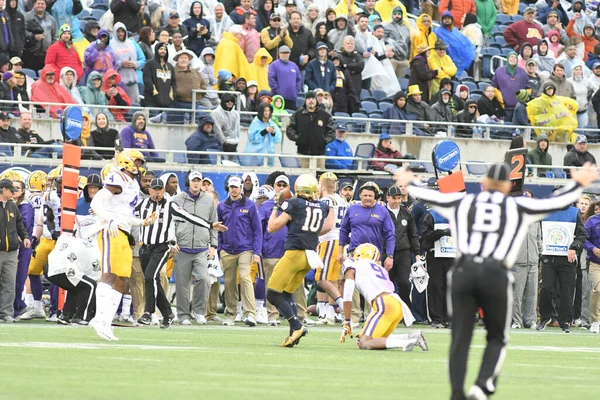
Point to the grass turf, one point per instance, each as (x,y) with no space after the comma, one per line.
(42,360)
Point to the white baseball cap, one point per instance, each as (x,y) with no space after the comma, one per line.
(195,175)
(234,181)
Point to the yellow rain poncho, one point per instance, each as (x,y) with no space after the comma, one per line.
(260,71)
(230,56)
(555,111)
(385,7)
(422,35)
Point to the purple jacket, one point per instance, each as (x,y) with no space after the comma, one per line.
(285,79)
(243,221)
(592,237)
(27,213)
(99,60)
(137,140)
(368,225)
(509,85)
(272,245)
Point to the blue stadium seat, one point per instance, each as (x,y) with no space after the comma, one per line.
(389,100)
(475,169)
(369,98)
(471,85)
(476,96)
(495,45)
(30,72)
(476,91)
(6,151)
(299,102)
(97,14)
(180,158)
(517,18)
(377,113)
(379,95)
(559,173)
(506,50)
(383,105)
(289,162)
(369,106)
(496,29)
(100,5)
(212,157)
(403,83)
(341,114)
(363,150)
(500,40)
(483,85)
(503,19)
(359,126)
(364,93)
(522,7)
(378,127)
(407,74)
(250,161)
(82,23)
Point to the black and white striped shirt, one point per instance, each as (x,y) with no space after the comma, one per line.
(158,232)
(490,224)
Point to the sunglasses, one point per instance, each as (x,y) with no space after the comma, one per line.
(441,49)
(475,107)
(276,20)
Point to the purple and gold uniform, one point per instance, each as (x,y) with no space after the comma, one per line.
(329,242)
(373,282)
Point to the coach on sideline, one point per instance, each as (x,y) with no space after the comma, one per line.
(12,231)
(368,222)
(238,248)
(196,246)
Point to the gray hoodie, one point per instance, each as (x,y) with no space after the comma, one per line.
(125,51)
(398,36)
(190,236)
(207,71)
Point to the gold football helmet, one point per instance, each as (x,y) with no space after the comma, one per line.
(132,161)
(370,184)
(105,170)
(366,251)
(82,182)
(328,175)
(37,181)
(307,187)
(11,175)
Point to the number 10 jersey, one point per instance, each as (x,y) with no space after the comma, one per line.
(306,223)
(371,279)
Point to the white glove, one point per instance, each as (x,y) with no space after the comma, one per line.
(113,228)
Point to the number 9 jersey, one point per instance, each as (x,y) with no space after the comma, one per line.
(371,279)
(307,218)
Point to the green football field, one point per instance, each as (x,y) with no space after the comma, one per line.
(42,360)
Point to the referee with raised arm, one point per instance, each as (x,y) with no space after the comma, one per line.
(156,243)
(488,228)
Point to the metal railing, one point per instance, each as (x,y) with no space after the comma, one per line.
(449,128)
(362,165)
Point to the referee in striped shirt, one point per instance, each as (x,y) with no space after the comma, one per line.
(156,244)
(488,228)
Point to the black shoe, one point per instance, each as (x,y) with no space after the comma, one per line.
(437,325)
(542,324)
(63,320)
(566,328)
(78,321)
(168,321)
(145,319)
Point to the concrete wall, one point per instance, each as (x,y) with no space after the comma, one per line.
(174,136)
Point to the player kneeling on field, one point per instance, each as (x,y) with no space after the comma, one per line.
(74,266)
(373,282)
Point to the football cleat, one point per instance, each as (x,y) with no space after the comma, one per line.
(421,341)
(250,320)
(200,320)
(126,318)
(228,322)
(476,393)
(261,316)
(308,322)
(274,322)
(102,330)
(238,318)
(168,321)
(185,322)
(63,320)
(52,318)
(294,338)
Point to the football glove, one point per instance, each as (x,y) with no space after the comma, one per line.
(346,330)
(113,228)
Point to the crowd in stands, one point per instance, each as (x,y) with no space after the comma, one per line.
(357,59)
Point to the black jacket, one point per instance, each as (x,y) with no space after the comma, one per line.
(429,235)
(421,75)
(160,77)
(17,30)
(12,230)
(6,94)
(407,237)
(304,44)
(11,135)
(105,138)
(33,138)
(311,131)
(579,236)
(575,159)
(354,63)
(127,12)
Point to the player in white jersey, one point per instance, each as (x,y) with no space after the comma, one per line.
(328,277)
(373,282)
(114,205)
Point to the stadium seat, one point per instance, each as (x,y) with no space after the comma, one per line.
(506,51)
(212,157)
(503,19)
(500,40)
(407,74)
(495,30)
(6,151)
(100,5)
(289,162)
(522,7)
(471,85)
(475,169)
(495,45)
(517,18)
(389,100)
(383,105)
(369,106)
(341,114)
(30,72)
(250,161)
(559,173)
(82,23)
(483,85)
(403,83)
(475,96)
(97,14)
(379,95)
(364,93)
(378,127)
(180,158)
(363,150)
(359,126)
(299,102)
(429,167)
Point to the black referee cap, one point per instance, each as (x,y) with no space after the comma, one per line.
(498,172)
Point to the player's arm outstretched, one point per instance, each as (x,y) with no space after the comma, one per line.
(198,221)
(444,203)
(349,286)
